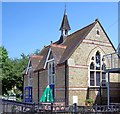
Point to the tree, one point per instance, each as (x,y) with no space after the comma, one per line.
(3,65)
(11,71)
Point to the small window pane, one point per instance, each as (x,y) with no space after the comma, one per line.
(92,66)
(92,83)
(103,79)
(103,75)
(97,78)
(98,33)
(53,68)
(104,66)
(97,61)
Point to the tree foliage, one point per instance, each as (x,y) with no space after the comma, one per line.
(11,71)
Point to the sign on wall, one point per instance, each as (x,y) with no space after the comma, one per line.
(28,94)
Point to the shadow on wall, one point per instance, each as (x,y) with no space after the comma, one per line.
(99,94)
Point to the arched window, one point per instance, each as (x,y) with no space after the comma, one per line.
(92,66)
(98,32)
(98,61)
(97,71)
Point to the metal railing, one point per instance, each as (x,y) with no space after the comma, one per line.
(112,60)
(45,108)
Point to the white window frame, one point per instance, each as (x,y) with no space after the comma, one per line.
(30,76)
(50,70)
(95,71)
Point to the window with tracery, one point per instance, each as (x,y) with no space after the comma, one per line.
(97,71)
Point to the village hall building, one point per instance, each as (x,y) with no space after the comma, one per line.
(74,67)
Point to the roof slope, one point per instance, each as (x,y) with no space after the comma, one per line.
(57,51)
(35,59)
(62,52)
(43,53)
(72,41)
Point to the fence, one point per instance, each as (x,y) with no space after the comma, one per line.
(13,107)
(112,60)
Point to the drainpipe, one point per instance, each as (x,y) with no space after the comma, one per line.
(23,96)
(38,87)
(108,90)
(66,83)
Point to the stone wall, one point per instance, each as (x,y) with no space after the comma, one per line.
(79,64)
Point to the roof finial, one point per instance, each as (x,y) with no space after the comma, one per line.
(65,9)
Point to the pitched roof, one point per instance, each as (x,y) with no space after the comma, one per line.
(62,52)
(72,41)
(35,60)
(57,51)
(43,53)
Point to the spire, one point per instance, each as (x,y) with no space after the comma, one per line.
(65,27)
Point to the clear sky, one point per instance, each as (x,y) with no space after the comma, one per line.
(27,26)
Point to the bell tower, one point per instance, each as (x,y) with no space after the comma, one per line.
(65,27)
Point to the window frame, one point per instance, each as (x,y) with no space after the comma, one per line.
(30,76)
(95,70)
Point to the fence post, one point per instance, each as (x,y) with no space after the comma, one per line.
(95,107)
(51,108)
(75,108)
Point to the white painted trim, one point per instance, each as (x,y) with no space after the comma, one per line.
(28,66)
(47,58)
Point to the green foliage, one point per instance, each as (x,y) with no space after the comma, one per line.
(11,72)
(89,101)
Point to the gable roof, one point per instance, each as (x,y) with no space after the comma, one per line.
(62,52)
(33,62)
(72,41)
(35,59)
(43,53)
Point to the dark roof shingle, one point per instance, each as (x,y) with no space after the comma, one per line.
(62,52)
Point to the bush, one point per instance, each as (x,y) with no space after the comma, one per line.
(89,101)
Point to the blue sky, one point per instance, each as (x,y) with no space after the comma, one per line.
(27,26)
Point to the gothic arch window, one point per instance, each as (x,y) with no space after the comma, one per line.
(97,32)
(97,71)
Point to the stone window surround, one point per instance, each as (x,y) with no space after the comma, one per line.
(102,78)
